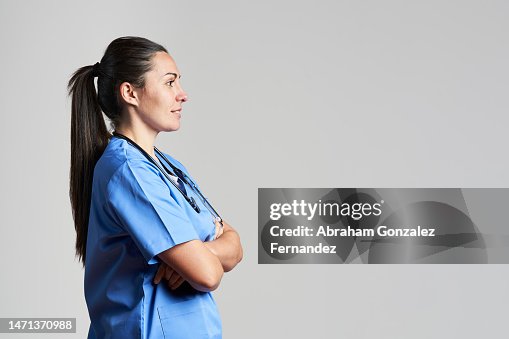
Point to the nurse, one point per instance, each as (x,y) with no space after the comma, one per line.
(151,256)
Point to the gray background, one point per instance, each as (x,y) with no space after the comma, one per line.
(283,94)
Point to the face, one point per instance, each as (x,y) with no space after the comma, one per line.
(160,101)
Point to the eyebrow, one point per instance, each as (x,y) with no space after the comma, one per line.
(171,73)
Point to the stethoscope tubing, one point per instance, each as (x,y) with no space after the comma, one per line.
(182,176)
(191,184)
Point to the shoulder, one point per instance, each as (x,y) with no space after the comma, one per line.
(120,161)
(119,151)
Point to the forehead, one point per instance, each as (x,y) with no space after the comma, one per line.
(162,63)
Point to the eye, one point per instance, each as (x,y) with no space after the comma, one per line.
(171,83)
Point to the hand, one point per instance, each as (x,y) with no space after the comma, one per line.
(219,230)
(173,279)
(227,226)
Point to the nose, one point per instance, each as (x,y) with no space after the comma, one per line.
(182,95)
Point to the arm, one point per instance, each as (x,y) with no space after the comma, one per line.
(227,260)
(194,263)
(141,203)
(227,248)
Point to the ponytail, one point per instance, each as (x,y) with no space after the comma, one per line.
(89,138)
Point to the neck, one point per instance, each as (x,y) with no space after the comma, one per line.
(143,137)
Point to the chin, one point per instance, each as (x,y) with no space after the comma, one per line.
(172,128)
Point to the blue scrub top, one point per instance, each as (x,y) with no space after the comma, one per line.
(135,214)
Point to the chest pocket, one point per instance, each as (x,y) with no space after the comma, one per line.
(186,320)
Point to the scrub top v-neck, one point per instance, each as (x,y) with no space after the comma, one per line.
(135,214)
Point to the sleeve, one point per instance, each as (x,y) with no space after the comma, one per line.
(146,208)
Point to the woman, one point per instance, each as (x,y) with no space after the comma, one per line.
(137,215)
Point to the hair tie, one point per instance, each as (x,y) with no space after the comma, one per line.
(95,70)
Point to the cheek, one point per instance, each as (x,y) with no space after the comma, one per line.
(164,97)
(153,101)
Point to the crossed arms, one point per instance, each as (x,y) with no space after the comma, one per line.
(202,264)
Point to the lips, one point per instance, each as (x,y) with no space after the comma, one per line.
(177,112)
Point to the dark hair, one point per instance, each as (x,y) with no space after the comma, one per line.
(126,59)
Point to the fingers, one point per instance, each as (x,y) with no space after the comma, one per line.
(219,230)
(169,273)
(174,280)
(160,273)
(174,277)
(164,271)
(227,226)
(176,283)
(216,233)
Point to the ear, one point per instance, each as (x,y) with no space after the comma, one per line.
(129,94)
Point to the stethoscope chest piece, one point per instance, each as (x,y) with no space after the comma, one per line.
(194,204)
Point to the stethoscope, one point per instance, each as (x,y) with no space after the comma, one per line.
(178,173)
